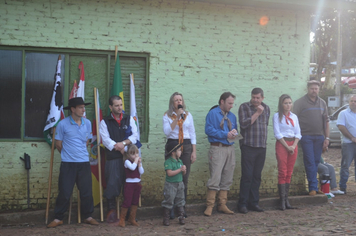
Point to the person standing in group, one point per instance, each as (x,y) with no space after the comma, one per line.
(221,128)
(117,131)
(71,139)
(253,119)
(346,123)
(173,187)
(287,133)
(178,125)
(313,118)
(132,189)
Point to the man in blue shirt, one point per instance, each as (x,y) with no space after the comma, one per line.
(72,138)
(221,128)
(346,123)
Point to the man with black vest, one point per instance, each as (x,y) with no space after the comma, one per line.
(117,131)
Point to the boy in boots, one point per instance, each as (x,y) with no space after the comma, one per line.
(174,186)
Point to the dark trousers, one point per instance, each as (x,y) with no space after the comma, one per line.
(74,173)
(252,162)
(115,179)
(132,193)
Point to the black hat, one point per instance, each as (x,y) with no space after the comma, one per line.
(73,102)
(172,146)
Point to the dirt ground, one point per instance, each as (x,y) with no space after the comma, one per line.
(337,217)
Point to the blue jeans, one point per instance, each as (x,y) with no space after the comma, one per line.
(312,146)
(348,154)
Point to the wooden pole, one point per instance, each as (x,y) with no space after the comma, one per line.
(70,208)
(116,49)
(50,176)
(133,81)
(97,119)
(79,215)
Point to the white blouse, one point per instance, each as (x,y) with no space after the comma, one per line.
(282,129)
(188,128)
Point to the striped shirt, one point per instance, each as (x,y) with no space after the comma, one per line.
(254,135)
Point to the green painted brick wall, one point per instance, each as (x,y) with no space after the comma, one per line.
(199,49)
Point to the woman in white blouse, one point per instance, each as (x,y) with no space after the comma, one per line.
(287,132)
(178,125)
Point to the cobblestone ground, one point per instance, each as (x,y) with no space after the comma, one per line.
(336,217)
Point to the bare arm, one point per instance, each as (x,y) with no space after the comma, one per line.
(327,131)
(259,111)
(346,133)
(59,145)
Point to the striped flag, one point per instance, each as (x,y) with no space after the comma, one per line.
(117,88)
(55,113)
(74,91)
(81,86)
(133,111)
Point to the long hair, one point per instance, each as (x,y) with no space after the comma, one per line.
(131,150)
(171,107)
(280,105)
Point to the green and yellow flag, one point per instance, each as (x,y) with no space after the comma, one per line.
(117,88)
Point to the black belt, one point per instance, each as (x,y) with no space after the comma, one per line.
(219,144)
(185,141)
(288,139)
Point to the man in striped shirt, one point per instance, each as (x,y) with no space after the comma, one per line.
(253,119)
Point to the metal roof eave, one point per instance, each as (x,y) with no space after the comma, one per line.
(310,5)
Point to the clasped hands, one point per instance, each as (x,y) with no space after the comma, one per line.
(232,134)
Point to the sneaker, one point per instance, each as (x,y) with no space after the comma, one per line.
(338,192)
(328,195)
(332,195)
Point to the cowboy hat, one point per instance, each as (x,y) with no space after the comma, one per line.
(73,102)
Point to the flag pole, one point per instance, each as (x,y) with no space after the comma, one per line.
(133,81)
(118,200)
(98,151)
(50,175)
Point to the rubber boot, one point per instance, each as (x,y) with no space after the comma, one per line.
(222,198)
(282,196)
(288,206)
(166,216)
(132,217)
(210,201)
(123,213)
(171,213)
(181,215)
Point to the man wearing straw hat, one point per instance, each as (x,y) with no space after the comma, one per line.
(72,138)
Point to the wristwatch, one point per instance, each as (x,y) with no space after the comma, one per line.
(327,138)
(124,143)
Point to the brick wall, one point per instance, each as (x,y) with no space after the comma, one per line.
(198,49)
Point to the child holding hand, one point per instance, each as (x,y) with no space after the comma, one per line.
(132,188)
(174,186)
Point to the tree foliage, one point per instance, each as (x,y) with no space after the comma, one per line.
(325,27)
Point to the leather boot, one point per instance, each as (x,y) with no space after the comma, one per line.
(181,215)
(210,201)
(282,196)
(166,216)
(222,198)
(288,206)
(132,217)
(123,213)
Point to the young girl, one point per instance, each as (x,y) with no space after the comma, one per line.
(174,186)
(132,188)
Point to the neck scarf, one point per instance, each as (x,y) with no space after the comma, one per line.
(229,125)
(180,126)
(290,119)
(117,120)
